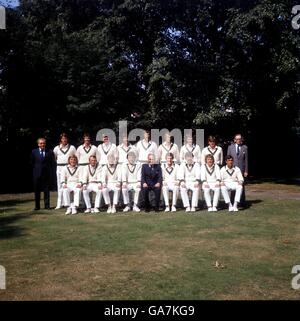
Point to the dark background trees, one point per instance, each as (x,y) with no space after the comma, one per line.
(225,66)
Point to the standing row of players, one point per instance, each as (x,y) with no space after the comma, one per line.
(129,168)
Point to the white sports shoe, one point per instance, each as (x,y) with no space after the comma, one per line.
(167,209)
(74,211)
(188,209)
(95,210)
(57,207)
(69,211)
(235,209)
(193,209)
(113,209)
(214,209)
(230,207)
(136,208)
(109,209)
(88,210)
(210,209)
(126,209)
(173,208)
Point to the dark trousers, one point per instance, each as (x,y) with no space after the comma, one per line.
(146,191)
(39,186)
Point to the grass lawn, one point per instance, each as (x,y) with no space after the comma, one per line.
(48,255)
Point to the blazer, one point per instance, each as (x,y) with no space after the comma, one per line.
(43,167)
(241,160)
(151,175)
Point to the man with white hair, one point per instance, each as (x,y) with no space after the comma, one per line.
(131,182)
(145,147)
(111,182)
(151,180)
(170,181)
(192,148)
(166,148)
(231,180)
(105,149)
(189,177)
(91,182)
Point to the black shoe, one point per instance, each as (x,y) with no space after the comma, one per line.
(156,209)
(36,208)
(47,208)
(147,210)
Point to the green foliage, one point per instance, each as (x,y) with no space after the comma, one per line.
(224,66)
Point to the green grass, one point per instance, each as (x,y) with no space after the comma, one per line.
(48,255)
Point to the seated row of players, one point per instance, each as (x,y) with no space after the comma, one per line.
(129,177)
(142,149)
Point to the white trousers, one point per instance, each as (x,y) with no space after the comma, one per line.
(135,188)
(207,194)
(67,194)
(92,187)
(232,186)
(116,191)
(185,197)
(60,199)
(170,187)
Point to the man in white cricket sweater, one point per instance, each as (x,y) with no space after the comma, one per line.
(189,147)
(146,147)
(231,180)
(84,152)
(167,147)
(123,150)
(211,179)
(91,182)
(189,177)
(214,150)
(62,153)
(71,184)
(131,181)
(111,182)
(170,172)
(106,149)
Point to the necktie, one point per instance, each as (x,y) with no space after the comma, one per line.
(238,150)
(42,153)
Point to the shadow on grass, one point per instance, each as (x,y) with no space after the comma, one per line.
(7,227)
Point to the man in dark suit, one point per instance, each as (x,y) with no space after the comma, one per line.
(151,180)
(239,152)
(43,168)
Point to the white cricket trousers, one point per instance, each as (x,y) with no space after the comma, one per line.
(185,197)
(232,186)
(170,187)
(60,199)
(135,188)
(71,188)
(207,193)
(116,192)
(92,187)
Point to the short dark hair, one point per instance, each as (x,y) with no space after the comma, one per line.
(63,135)
(228,157)
(212,139)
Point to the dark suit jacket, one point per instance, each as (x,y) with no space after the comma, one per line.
(151,176)
(43,168)
(240,160)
